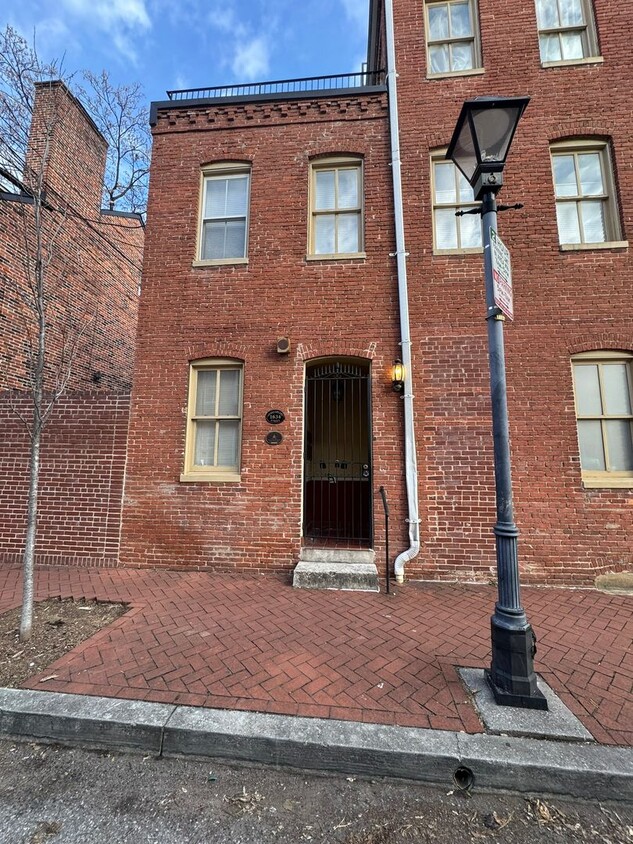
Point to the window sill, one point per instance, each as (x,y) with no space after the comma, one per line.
(343,256)
(475,250)
(607,482)
(583,247)
(449,74)
(210,477)
(219,262)
(574,62)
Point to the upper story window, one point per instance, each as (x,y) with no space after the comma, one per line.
(566,30)
(604,413)
(336,208)
(452,37)
(451,193)
(586,209)
(214,421)
(223,234)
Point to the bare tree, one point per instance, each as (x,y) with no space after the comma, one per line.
(52,326)
(20,71)
(120,114)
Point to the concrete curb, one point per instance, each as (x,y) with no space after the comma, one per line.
(347,747)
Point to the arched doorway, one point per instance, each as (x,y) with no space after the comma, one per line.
(337,454)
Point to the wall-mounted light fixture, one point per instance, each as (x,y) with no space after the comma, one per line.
(283,346)
(397,376)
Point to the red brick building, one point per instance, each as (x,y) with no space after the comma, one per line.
(273,282)
(92,291)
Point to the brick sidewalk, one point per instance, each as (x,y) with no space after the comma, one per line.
(254,643)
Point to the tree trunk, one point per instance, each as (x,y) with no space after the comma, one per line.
(28,559)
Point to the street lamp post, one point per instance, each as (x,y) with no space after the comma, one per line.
(479,148)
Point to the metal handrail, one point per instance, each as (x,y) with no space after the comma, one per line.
(307,84)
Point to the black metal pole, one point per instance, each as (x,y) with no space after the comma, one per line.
(511,674)
(383,495)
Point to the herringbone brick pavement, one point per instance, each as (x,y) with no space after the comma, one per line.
(255,643)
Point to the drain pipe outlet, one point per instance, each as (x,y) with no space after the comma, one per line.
(411,469)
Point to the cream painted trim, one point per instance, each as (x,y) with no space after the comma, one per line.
(222,168)
(219,262)
(603,479)
(338,256)
(608,482)
(572,62)
(217,168)
(476,41)
(602,354)
(438,156)
(208,477)
(471,250)
(589,30)
(208,473)
(578,146)
(474,71)
(580,247)
(334,162)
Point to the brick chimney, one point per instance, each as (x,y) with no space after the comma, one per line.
(66,142)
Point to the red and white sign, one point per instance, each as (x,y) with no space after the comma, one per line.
(501,275)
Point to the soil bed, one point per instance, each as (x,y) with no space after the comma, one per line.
(58,627)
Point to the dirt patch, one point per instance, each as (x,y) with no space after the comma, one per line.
(58,627)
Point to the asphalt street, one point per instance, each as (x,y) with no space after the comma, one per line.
(55,795)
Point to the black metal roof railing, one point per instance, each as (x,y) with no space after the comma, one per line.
(340,82)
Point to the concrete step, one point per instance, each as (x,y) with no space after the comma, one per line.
(336,575)
(336,555)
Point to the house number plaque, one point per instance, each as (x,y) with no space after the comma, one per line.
(275,417)
(273,438)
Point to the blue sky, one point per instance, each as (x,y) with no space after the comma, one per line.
(167,44)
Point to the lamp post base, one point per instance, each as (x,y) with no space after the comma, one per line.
(511,675)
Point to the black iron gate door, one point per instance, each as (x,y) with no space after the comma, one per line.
(337,453)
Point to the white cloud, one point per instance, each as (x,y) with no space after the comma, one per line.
(357,11)
(112,13)
(250,60)
(245,42)
(223,18)
(121,20)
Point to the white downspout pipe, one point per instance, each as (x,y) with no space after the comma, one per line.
(411,468)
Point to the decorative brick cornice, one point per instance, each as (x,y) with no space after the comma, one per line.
(211,117)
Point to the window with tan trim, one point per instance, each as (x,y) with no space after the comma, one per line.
(566,30)
(451,193)
(214,421)
(586,210)
(452,36)
(223,233)
(604,413)
(336,208)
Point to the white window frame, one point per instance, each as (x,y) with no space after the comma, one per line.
(613,234)
(475,39)
(336,163)
(191,472)
(222,170)
(439,157)
(587,32)
(604,478)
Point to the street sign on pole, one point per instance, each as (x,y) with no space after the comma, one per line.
(501,275)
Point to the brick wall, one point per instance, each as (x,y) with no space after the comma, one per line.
(81,480)
(325,308)
(91,286)
(91,282)
(565,302)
